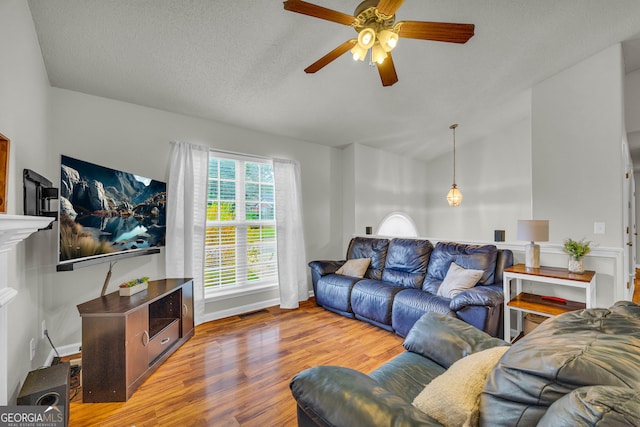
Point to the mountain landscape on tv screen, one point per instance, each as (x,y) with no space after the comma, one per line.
(105,211)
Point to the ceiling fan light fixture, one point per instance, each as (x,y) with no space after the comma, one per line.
(388,40)
(358,52)
(374,22)
(378,54)
(366,38)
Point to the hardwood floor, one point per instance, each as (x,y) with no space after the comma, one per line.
(236,371)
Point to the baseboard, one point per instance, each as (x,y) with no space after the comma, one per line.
(240,310)
(65,350)
(248,308)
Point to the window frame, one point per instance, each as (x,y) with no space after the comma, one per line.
(242,285)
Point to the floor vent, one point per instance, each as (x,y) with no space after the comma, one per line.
(253,313)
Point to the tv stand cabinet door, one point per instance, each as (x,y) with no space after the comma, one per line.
(103,359)
(187,308)
(137,340)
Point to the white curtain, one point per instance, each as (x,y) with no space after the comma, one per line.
(186,222)
(292,267)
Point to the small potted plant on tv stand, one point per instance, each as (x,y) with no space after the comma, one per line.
(133,286)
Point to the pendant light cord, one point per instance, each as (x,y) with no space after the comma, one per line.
(454,126)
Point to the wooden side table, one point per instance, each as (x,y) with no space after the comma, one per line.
(539,304)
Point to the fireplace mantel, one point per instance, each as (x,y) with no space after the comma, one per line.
(13,230)
(16,228)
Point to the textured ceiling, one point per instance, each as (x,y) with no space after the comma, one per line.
(241,62)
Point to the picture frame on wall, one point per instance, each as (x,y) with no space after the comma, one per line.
(4,172)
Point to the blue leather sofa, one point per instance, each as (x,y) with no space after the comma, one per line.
(402,280)
(580,368)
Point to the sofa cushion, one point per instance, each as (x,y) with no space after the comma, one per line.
(407,374)
(476,257)
(445,340)
(334,292)
(571,350)
(354,267)
(453,398)
(375,249)
(371,300)
(406,262)
(457,280)
(411,304)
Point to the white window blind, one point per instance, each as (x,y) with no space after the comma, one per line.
(240,243)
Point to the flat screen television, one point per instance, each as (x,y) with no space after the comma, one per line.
(107,214)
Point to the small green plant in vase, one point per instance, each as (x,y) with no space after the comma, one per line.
(576,251)
(133,286)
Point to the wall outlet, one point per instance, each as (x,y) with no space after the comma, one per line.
(32,348)
(43,329)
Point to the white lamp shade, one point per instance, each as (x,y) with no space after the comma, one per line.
(366,38)
(533,230)
(358,52)
(378,54)
(388,40)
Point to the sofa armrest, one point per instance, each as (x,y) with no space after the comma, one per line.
(322,268)
(446,339)
(595,405)
(490,296)
(336,396)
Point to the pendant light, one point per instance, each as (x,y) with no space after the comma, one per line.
(454,197)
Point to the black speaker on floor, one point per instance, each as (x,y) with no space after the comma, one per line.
(47,387)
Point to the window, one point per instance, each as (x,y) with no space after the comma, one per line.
(240,242)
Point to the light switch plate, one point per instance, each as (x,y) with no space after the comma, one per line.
(598,228)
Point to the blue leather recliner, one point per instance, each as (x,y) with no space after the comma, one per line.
(402,280)
(580,368)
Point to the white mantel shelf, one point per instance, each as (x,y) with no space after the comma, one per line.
(13,230)
(16,228)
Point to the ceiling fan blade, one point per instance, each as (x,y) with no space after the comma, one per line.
(387,71)
(316,11)
(437,31)
(331,56)
(389,7)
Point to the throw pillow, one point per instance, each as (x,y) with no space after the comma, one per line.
(354,267)
(453,398)
(457,280)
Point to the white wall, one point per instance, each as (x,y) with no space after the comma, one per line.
(348,168)
(577,163)
(577,149)
(377,183)
(24,105)
(494,175)
(136,139)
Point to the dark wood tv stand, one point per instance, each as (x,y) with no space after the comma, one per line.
(125,339)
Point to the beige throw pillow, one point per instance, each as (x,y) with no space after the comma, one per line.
(354,267)
(457,280)
(453,398)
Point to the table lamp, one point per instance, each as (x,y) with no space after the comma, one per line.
(533,230)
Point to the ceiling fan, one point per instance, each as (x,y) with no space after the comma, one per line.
(374,21)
